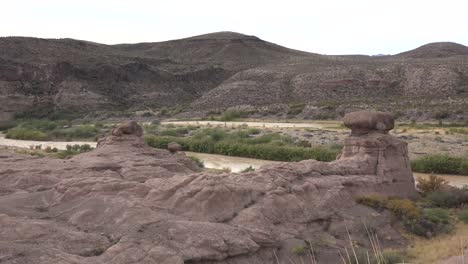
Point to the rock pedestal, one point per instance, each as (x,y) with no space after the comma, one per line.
(385,154)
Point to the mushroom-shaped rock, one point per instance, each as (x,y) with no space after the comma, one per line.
(364,122)
(173,147)
(129,128)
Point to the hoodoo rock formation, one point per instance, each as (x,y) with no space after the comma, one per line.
(125,202)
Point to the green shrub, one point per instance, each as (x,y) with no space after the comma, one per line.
(404,208)
(299,250)
(76,132)
(212,145)
(392,257)
(454,130)
(375,201)
(443,199)
(248,169)
(422,222)
(463,215)
(230,115)
(437,215)
(73,150)
(197,161)
(432,184)
(174,132)
(433,221)
(26,134)
(440,164)
(296,109)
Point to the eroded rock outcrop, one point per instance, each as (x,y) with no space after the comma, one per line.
(125,202)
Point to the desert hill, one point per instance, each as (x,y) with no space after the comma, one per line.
(212,72)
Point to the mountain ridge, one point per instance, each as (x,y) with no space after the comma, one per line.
(215,71)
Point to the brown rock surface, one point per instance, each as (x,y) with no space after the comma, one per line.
(174,147)
(363,122)
(125,202)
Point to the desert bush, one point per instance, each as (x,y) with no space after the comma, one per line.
(76,132)
(26,134)
(443,199)
(392,257)
(296,109)
(463,215)
(432,222)
(174,132)
(230,115)
(197,161)
(454,130)
(304,143)
(72,150)
(242,149)
(299,250)
(375,201)
(440,164)
(432,184)
(404,208)
(248,169)
(441,114)
(422,222)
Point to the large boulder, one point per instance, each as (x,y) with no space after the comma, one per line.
(174,147)
(364,122)
(129,128)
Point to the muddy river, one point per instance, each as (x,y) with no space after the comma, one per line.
(314,124)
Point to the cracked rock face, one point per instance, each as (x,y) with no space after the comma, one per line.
(125,202)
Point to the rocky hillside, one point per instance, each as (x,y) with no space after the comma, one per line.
(45,77)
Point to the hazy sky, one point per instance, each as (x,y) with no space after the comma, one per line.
(321,26)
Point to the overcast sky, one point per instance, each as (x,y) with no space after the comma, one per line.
(321,26)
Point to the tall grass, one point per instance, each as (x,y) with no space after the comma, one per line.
(44,129)
(26,134)
(441,164)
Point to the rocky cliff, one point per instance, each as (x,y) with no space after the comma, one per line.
(46,77)
(128,203)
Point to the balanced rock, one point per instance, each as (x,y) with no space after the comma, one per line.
(174,147)
(364,122)
(129,128)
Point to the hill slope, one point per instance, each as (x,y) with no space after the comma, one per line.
(211,72)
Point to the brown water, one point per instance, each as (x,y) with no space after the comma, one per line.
(27,143)
(314,124)
(235,164)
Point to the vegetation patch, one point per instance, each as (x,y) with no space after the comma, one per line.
(26,134)
(198,161)
(440,164)
(44,129)
(425,222)
(254,149)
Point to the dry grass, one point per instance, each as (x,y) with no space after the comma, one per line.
(442,247)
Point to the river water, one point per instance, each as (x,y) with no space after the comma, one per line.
(315,124)
(212,161)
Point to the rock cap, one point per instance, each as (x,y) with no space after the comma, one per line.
(364,122)
(129,128)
